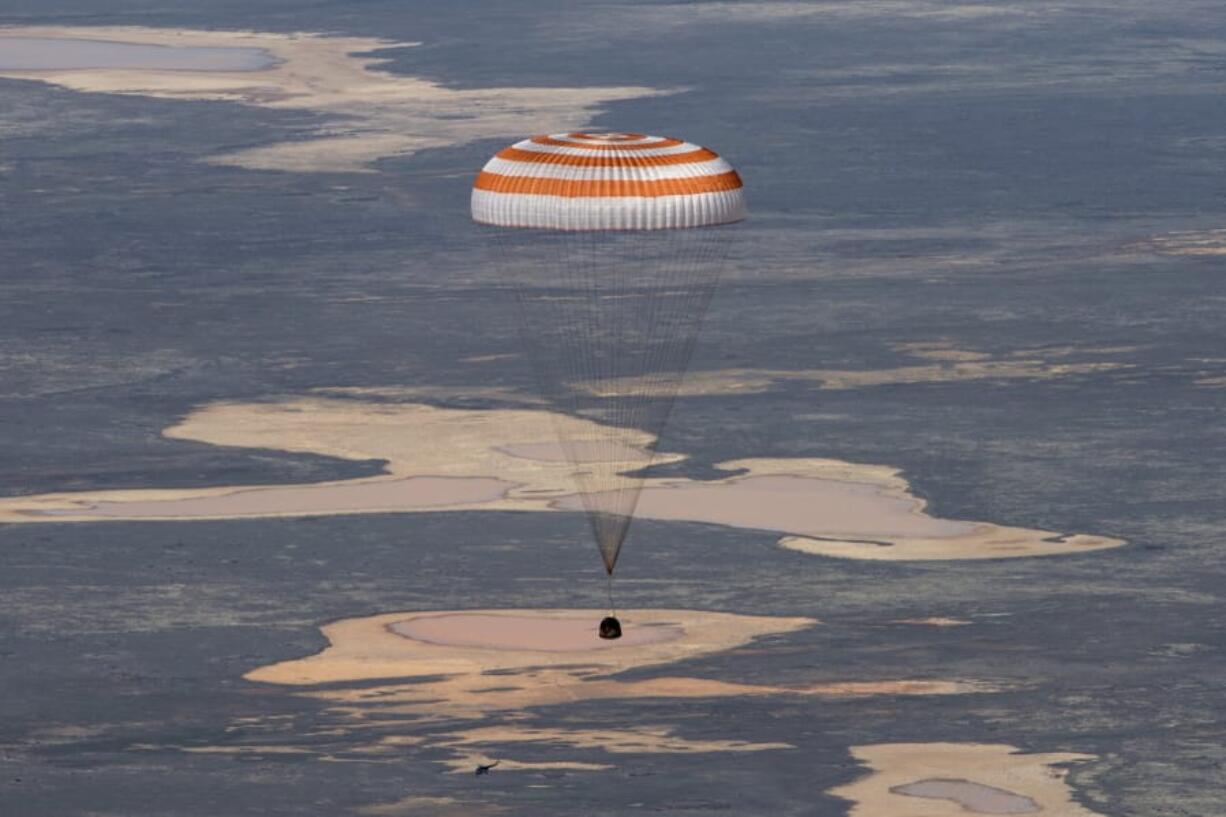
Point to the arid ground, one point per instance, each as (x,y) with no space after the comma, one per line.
(936,528)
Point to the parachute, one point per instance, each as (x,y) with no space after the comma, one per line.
(613,244)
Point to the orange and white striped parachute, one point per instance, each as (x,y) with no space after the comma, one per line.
(607,181)
(613,243)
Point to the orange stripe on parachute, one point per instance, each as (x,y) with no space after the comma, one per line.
(607,188)
(549,140)
(514,154)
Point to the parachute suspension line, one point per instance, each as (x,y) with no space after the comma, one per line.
(612,606)
(648,327)
(613,275)
(609,329)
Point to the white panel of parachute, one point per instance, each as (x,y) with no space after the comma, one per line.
(613,244)
(609,181)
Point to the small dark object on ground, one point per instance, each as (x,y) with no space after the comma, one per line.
(486,768)
(610,628)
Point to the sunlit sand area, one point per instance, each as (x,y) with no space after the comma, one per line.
(1208,243)
(457,667)
(375,113)
(956,779)
(419,806)
(506,459)
(465,644)
(69,54)
(934,621)
(944,363)
(509,631)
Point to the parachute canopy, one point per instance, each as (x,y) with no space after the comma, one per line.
(607,181)
(613,244)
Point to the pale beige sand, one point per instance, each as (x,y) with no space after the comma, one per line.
(419,806)
(499,459)
(512,631)
(796,504)
(637,740)
(500,394)
(640,740)
(956,779)
(490,358)
(466,763)
(372,113)
(370,648)
(952,366)
(681,15)
(1053,352)
(990,542)
(579,451)
(420,493)
(431,680)
(376,681)
(245,749)
(943,351)
(1192,242)
(451,447)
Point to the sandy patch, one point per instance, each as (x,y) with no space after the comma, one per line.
(797,504)
(934,621)
(1209,243)
(371,113)
(247,749)
(467,764)
(421,493)
(955,779)
(510,631)
(580,451)
(949,365)
(663,19)
(501,459)
(641,740)
(373,647)
(987,542)
(937,350)
(394,696)
(431,680)
(497,394)
(432,807)
(490,358)
(1052,352)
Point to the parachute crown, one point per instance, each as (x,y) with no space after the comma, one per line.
(607,181)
